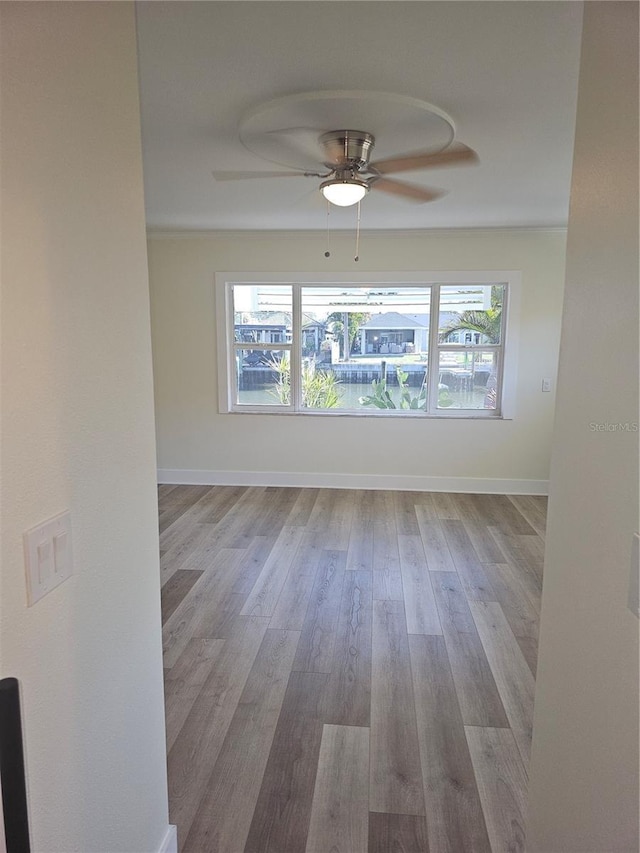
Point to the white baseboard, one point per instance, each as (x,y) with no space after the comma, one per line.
(400,482)
(170,841)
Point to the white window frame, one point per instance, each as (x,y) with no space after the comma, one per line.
(225,281)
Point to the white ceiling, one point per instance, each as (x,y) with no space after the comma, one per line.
(506,72)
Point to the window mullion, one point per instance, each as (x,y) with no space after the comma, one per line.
(501,351)
(469,347)
(261,346)
(230,350)
(433,356)
(296,348)
(499,381)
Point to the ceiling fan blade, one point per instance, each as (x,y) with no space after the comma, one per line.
(408,191)
(455,155)
(242,176)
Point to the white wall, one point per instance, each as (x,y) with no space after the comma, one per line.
(194,438)
(77,427)
(584,769)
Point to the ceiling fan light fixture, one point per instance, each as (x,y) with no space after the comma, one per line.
(344,192)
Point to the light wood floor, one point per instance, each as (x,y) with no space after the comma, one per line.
(349,671)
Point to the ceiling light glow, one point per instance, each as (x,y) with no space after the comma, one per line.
(344,193)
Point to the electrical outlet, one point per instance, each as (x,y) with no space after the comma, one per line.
(48,558)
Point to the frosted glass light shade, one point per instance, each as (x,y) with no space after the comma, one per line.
(344,193)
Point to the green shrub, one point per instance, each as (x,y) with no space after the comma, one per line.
(381,397)
(319,388)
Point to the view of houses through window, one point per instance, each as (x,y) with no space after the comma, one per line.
(411,348)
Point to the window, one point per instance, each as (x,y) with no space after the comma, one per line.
(408,347)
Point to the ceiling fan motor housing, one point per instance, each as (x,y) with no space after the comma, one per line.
(347,149)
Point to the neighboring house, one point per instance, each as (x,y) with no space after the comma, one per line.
(389,332)
(314,333)
(393,332)
(463,336)
(263,333)
(275,328)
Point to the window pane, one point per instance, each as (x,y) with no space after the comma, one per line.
(262,313)
(352,337)
(471,314)
(375,385)
(262,377)
(468,380)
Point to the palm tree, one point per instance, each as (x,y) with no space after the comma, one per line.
(488,324)
(353,320)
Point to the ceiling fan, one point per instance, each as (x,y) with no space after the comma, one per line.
(349,174)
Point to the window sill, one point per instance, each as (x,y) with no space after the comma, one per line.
(450,415)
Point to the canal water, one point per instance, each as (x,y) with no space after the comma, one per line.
(350,393)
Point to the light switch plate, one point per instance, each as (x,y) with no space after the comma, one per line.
(48,556)
(634,580)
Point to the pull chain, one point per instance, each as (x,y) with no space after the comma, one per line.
(327,254)
(357,255)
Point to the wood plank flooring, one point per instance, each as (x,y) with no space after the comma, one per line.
(349,671)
